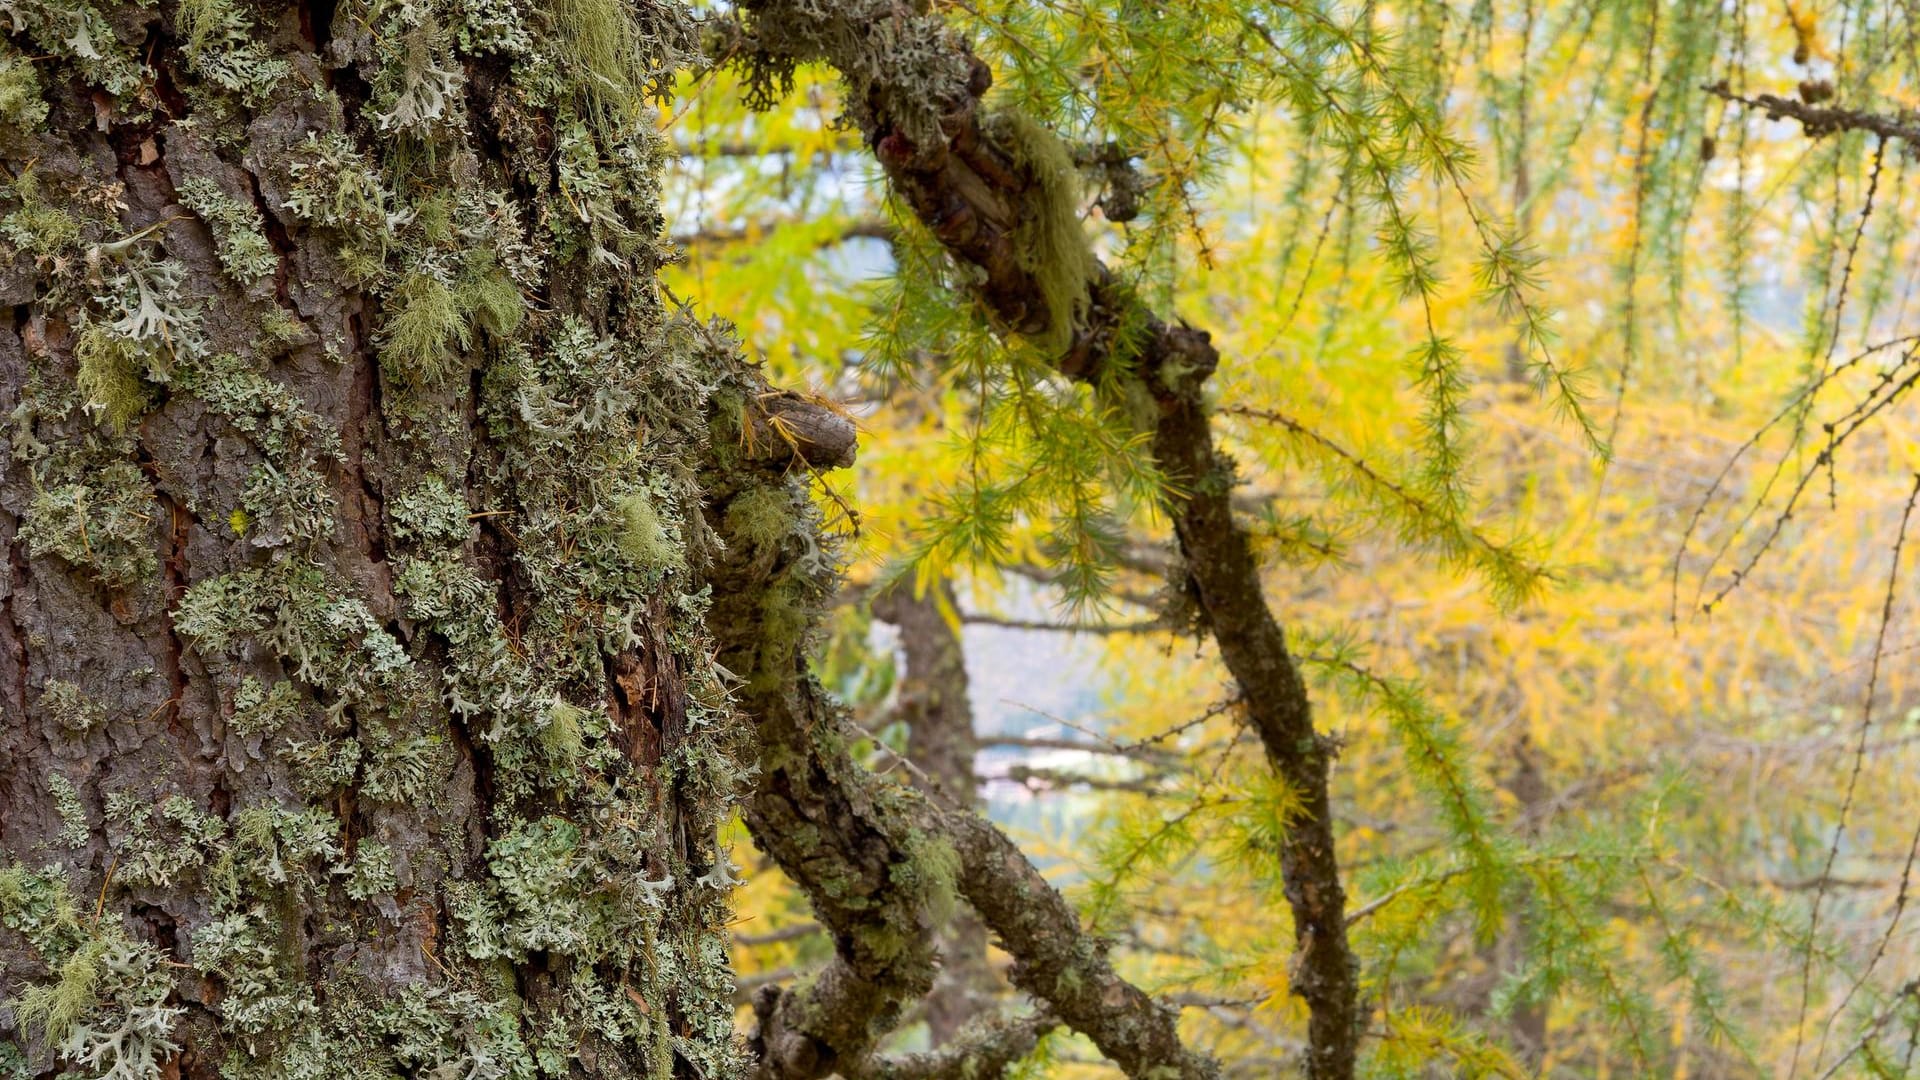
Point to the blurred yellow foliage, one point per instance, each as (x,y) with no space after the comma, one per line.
(1666,777)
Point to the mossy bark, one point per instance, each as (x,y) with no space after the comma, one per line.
(884,865)
(358,722)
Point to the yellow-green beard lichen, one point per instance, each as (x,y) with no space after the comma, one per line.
(488,295)
(55,1006)
(428,320)
(1051,242)
(762,515)
(21,105)
(109,374)
(424,322)
(36,227)
(562,737)
(612,59)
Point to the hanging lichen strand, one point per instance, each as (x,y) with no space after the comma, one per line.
(369,728)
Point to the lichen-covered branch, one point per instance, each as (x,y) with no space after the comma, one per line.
(985,189)
(823,820)
(980,1051)
(880,863)
(1057,962)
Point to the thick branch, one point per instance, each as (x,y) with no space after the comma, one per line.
(784,428)
(873,857)
(814,810)
(928,133)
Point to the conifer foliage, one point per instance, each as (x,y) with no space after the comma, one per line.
(458,448)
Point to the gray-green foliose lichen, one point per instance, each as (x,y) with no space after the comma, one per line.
(538,415)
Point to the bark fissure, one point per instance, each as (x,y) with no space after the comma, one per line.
(176,575)
(16,631)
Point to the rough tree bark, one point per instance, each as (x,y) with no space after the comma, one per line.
(359,715)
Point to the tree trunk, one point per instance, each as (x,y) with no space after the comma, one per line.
(1527,1024)
(941,742)
(359,718)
